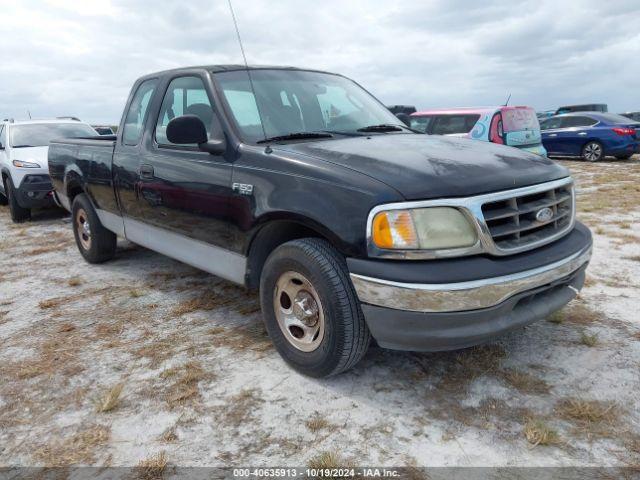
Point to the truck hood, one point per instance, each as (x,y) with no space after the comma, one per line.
(432,166)
(31,154)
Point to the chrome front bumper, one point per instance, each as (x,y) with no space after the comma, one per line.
(463,296)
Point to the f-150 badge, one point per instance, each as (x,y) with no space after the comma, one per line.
(242,188)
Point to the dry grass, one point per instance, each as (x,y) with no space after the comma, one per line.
(58,355)
(537,432)
(169,435)
(66,328)
(556,317)
(110,399)
(525,382)
(77,449)
(152,467)
(74,282)
(136,293)
(327,460)
(185,386)
(67,299)
(204,302)
(252,337)
(47,249)
(317,423)
(240,409)
(579,314)
(468,365)
(587,411)
(590,340)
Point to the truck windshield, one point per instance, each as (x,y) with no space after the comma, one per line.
(40,134)
(292,101)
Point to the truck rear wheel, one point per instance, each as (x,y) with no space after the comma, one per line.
(96,243)
(18,213)
(311,309)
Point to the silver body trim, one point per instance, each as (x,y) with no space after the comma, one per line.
(210,258)
(111,221)
(472,295)
(471,207)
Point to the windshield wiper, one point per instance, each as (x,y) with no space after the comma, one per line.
(385,127)
(23,146)
(296,136)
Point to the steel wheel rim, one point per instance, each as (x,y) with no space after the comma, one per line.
(299,311)
(592,151)
(83,228)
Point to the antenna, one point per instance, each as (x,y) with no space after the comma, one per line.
(244,57)
(507,102)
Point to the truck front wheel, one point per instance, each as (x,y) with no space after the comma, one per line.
(96,243)
(311,310)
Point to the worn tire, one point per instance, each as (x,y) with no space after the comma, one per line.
(18,213)
(592,146)
(101,244)
(346,336)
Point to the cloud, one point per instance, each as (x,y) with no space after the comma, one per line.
(64,57)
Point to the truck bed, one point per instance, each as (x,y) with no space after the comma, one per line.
(85,163)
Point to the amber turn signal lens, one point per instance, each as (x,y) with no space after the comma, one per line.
(394,229)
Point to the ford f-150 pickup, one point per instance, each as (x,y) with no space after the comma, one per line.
(301,184)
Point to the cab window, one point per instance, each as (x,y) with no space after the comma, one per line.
(3,137)
(184,96)
(136,115)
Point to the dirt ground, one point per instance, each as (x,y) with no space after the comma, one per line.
(144,359)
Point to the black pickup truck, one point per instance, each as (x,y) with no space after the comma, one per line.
(301,184)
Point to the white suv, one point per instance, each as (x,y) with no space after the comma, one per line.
(23,162)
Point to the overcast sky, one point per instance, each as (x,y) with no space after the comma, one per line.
(80,57)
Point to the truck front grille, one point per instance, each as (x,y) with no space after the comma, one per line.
(518,222)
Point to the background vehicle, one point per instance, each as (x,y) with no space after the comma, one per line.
(23,162)
(512,126)
(406,109)
(545,114)
(103,129)
(591,135)
(302,184)
(635,116)
(590,107)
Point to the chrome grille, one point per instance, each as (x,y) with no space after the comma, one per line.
(512,221)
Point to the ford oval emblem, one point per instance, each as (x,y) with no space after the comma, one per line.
(544,214)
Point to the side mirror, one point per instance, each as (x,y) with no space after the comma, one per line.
(404,118)
(189,129)
(1,146)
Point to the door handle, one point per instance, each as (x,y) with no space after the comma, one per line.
(553,134)
(582,133)
(146,171)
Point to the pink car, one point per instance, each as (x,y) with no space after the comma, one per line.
(514,126)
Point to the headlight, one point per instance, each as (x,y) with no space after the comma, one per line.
(21,164)
(422,229)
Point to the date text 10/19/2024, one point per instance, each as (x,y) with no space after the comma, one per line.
(315,473)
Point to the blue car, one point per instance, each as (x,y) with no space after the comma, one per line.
(590,135)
